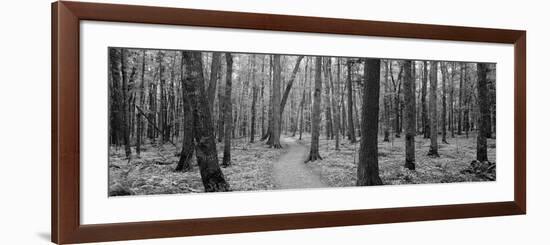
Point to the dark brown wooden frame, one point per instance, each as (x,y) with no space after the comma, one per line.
(65,175)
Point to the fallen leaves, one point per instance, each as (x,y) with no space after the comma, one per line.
(153,171)
(339,168)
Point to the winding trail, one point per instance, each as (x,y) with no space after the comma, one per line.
(290,171)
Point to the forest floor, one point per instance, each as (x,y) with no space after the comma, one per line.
(153,172)
(257,167)
(339,168)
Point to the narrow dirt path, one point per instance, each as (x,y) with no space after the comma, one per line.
(290,171)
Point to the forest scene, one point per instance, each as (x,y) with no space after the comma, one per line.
(185,121)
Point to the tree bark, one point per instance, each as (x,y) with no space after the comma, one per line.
(221,113)
(444,103)
(328,103)
(451,100)
(139,132)
(168,101)
(240,117)
(386,103)
(171,109)
(316,115)
(466,103)
(276,133)
(492,100)
(125,107)
(367,168)
(342,86)
(163,116)
(336,109)
(425,121)
(114,96)
(397,100)
(410,114)
(188,146)
(302,104)
(269,134)
(207,157)
(228,111)
(485,116)
(262,97)
(460,100)
(356,97)
(215,68)
(151,133)
(351,127)
(433,110)
(290,83)
(254,101)
(302,114)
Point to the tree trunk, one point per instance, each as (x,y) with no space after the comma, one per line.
(460,100)
(294,115)
(188,146)
(342,88)
(163,108)
(221,114)
(485,117)
(151,133)
(115,95)
(451,100)
(269,134)
(444,103)
(425,122)
(240,118)
(316,115)
(302,104)
(290,83)
(254,101)
(397,99)
(276,133)
(433,109)
(328,104)
(396,111)
(367,168)
(491,85)
(207,157)
(466,104)
(410,114)
(141,99)
(336,109)
(262,97)
(302,113)
(386,115)
(168,101)
(125,119)
(228,111)
(215,68)
(356,111)
(351,127)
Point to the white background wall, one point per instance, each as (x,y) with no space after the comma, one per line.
(25,121)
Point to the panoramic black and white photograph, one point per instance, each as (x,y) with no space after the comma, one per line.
(183,121)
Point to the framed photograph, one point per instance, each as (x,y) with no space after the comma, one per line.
(178,122)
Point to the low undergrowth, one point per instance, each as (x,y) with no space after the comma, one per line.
(339,168)
(153,171)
